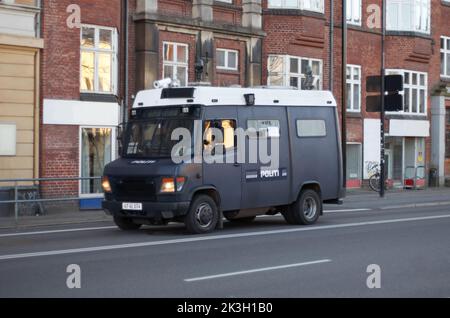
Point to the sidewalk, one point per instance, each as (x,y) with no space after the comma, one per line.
(356,199)
(55,219)
(363,198)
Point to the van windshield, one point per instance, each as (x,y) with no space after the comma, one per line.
(152,138)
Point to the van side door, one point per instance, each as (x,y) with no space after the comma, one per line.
(219,155)
(265,184)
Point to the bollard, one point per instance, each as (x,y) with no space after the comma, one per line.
(16,205)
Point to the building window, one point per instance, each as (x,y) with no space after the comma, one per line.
(445,56)
(354,12)
(175,62)
(409,15)
(285,70)
(415,91)
(98,60)
(96,152)
(309,5)
(8,139)
(227,59)
(354,88)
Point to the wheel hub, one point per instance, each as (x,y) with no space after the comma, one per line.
(204,215)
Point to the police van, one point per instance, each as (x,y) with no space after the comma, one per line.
(161,177)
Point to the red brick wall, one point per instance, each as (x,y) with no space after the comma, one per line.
(60,67)
(227,14)
(61,55)
(61,159)
(180,8)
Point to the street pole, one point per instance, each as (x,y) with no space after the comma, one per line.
(382,117)
(344,92)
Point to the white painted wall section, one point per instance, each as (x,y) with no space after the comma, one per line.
(372,151)
(80,113)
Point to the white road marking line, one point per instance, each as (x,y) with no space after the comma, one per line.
(216,237)
(58,231)
(190,280)
(346,210)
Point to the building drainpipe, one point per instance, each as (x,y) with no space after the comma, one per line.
(125,61)
(331,55)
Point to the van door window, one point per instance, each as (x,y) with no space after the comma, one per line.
(311,128)
(267,128)
(219,133)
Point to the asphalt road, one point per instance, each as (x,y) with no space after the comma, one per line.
(265,259)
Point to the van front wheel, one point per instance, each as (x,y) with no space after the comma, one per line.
(202,216)
(306,210)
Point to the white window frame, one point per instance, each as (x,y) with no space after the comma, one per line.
(80,146)
(226,66)
(287,74)
(307,5)
(446,51)
(175,64)
(354,83)
(226,1)
(354,12)
(412,87)
(418,22)
(96,51)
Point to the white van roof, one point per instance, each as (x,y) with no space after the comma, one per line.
(226,96)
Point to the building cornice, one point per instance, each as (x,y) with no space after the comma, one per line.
(198,25)
(23,41)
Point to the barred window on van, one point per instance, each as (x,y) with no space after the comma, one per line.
(267,128)
(311,128)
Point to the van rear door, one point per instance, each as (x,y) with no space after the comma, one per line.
(263,185)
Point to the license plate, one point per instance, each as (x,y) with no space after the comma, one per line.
(132,206)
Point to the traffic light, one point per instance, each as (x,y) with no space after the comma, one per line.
(393,100)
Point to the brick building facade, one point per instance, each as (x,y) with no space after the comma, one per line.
(247,43)
(82,92)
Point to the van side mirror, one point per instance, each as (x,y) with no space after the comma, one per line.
(120,139)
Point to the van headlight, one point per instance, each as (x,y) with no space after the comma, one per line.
(106,185)
(172,185)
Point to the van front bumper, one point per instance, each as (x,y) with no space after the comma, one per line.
(150,210)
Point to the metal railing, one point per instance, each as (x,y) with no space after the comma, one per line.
(36,184)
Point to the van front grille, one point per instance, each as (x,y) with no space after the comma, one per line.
(134,189)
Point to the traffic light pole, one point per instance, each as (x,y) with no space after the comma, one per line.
(344,92)
(382,117)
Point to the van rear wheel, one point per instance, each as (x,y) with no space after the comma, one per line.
(126,224)
(306,210)
(202,216)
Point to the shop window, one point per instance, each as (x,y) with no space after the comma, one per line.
(354,161)
(96,152)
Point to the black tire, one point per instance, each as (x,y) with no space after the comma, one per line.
(374,182)
(126,224)
(306,210)
(249,219)
(202,216)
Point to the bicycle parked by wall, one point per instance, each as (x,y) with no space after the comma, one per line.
(375,177)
